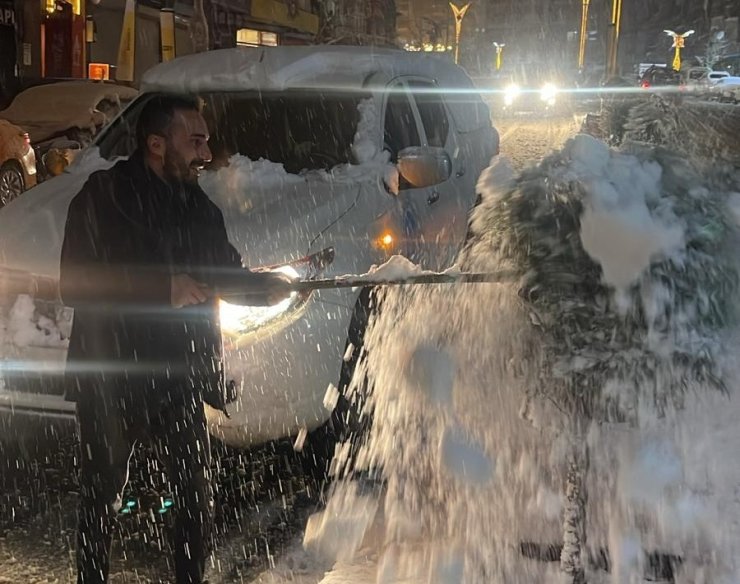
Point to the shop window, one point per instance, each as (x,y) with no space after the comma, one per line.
(249,37)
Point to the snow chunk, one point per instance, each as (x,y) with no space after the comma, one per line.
(337,532)
(331,397)
(25,328)
(733,204)
(348,353)
(367,138)
(653,468)
(234,186)
(618,229)
(466,461)
(431,371)
(625,239)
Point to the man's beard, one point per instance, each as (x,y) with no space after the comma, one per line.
(177,170)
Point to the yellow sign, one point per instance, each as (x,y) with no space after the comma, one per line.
(127,46)
(274,12)
(99,71)
(167,33)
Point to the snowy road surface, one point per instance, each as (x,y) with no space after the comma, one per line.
(264,503)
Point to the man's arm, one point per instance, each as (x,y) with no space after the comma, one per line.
(87,275)
(239,285)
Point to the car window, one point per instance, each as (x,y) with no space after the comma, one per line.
(119,138)
(303,130)
(432,112)
(400,129)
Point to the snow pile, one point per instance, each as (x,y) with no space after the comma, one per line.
(365,146)
(236,185)
(26,327)
(568,408)
(705,133)
(245,185)
(617,227)
(396,268)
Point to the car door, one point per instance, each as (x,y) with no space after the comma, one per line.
(450,200)
(422,216)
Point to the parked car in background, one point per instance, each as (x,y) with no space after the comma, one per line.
(17,162)
(57,120)
(714,77)
(657,76)
(727,89)
(327,160)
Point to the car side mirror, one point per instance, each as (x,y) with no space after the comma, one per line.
(424,166)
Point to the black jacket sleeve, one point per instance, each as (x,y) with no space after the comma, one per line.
(235,283)
(87,272)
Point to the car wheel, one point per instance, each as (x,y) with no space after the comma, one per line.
(347,421)
(12,182)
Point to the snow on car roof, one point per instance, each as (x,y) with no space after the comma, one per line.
(279,68)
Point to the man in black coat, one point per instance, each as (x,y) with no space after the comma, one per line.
(144,254)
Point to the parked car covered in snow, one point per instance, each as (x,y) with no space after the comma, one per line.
(327,160)
(57,120)
(727,89)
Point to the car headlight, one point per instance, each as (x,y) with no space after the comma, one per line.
(243,323)
(548,93)
(511,93)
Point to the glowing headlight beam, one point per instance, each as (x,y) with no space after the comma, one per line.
(511,93)
(548,92)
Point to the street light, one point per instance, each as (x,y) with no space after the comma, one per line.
(499,54)
(584,35)
(459,13)
(679,42)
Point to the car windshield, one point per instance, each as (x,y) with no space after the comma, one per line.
(302,130)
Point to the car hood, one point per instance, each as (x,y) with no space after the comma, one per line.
(271,216)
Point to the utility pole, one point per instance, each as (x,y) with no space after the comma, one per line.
(584,36)
(613,60)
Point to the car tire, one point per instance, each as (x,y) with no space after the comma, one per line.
(12,182)
(346,421)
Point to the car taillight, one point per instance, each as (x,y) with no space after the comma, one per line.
(645,84)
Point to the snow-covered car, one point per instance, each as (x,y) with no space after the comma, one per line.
(727,89)
(327,161)
(57,120)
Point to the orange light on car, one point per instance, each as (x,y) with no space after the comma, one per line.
(385,241)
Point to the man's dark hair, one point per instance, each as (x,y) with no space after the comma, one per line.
(158,113)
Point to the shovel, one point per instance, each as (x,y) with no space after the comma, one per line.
(431,278)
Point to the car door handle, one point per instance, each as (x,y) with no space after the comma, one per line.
(433,198)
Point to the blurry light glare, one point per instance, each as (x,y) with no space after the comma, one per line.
(548,92)
(238,320)
(511,93)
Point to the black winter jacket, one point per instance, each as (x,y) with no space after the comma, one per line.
(127,232)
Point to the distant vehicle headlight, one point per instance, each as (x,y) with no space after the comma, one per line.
(511,93)
(241,324)
(548,93)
